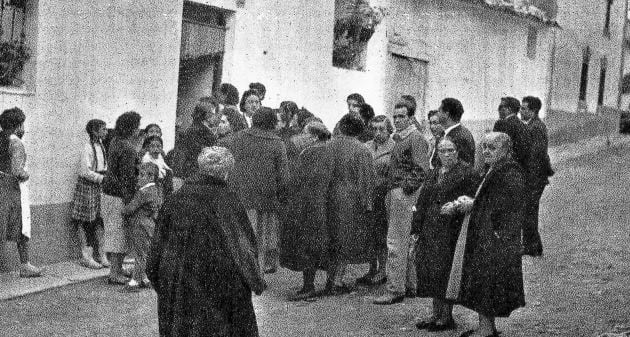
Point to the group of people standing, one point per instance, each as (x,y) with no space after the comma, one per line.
(249,189)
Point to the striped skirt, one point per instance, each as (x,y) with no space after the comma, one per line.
(86,204)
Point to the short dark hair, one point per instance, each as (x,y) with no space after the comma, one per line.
(412,103)
(533,103)
(246,94)
(366,112)
(453,108)
(127,123)
(356,97)
(148,127)
(265,119)
(204,106)
(288,109)
(92,126)
(302,116)
(149,139)
(236,120)
(405,105)
(383,118)
(511,103)
(258,87)
(12,118)
(230,92)
(432,113)
(351,125)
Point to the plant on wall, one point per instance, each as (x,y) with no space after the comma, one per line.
(13,55)
(354,26)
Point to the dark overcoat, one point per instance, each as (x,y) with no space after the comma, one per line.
(203,263)
(540,166)
(437,233)
(350,200)
(261,169)
(304,235)
(521,141)
(492,275)
(194,139)
(122,160)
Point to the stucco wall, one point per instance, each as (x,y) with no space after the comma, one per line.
(582,25)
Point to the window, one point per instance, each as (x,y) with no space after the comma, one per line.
(13,52)
(607,20)
(586,57)
(602,80)
(532,36)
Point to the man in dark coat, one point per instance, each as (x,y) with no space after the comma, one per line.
(203,262)
(510,124)
(261,174)
(540,171)
(199,135)
(450,112)
(492,276)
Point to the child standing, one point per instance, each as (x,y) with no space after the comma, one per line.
(142,212)
(154,153)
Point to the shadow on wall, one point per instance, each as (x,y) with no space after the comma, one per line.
(569,127)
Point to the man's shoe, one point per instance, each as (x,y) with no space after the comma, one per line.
(29,270)
(365,280)
(450,325)
(389,299)
(117,280)
(91,264)
(425,325)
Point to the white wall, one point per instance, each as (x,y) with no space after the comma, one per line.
(96,60)
(582,24)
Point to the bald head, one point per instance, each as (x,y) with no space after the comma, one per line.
(496,147)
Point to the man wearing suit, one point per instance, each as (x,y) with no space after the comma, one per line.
(450,112)
(540,171)
(510,124)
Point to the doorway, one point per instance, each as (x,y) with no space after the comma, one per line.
(201,58)
(406,76)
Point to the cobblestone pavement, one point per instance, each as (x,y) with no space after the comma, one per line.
(580,288)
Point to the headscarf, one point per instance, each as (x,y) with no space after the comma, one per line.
(215,161)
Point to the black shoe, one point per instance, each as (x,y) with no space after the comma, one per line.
(338,290)
(365,280)
(450,325)
(425,325)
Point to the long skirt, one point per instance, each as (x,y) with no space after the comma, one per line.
(115,236)
(86,203)
(10,209)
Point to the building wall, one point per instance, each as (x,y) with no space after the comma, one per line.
(90,60)
(582,24)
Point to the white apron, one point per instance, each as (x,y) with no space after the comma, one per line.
(26,209)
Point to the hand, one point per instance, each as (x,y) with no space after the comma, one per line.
(448,208)
(465,203)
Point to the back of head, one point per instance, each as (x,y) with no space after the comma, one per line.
(366,112)
(350,125)
(302,116)
(356,97)
(11,118)
(127,123)
(258,87)
(216,162)
(453,108)
(205,105)
(511,103)
(265,119)
(318,129)
(288,109)
(230,92)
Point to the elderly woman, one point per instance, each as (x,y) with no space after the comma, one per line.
(381,148)
(491,268)
(436,226)
(305,240)
(350,196)
(119,187)
(203,263)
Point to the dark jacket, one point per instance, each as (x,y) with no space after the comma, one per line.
(122,161)
(261,170)
(540,165)
(465,143)
(203,263)
(521,142)
(492,276)
(191,143)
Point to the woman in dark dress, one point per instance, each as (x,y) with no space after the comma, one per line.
(305,239)
(203,261)
(436,226)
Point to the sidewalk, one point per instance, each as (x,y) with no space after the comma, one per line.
(65,273)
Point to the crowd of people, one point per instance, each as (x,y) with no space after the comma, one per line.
(249,189)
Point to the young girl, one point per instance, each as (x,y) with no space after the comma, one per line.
(154,153)
(142,212)
(86,206)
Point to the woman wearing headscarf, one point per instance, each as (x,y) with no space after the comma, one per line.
(119,187)
(436,226)
(491,279)
(203,260)
(350,201)
(305,240)
(14,204)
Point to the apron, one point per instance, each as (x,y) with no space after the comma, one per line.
(26,209)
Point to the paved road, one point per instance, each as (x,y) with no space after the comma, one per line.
(580,288)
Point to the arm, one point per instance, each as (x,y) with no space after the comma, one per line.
(85,166)
(139,199)
(420,212)
(18,160)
